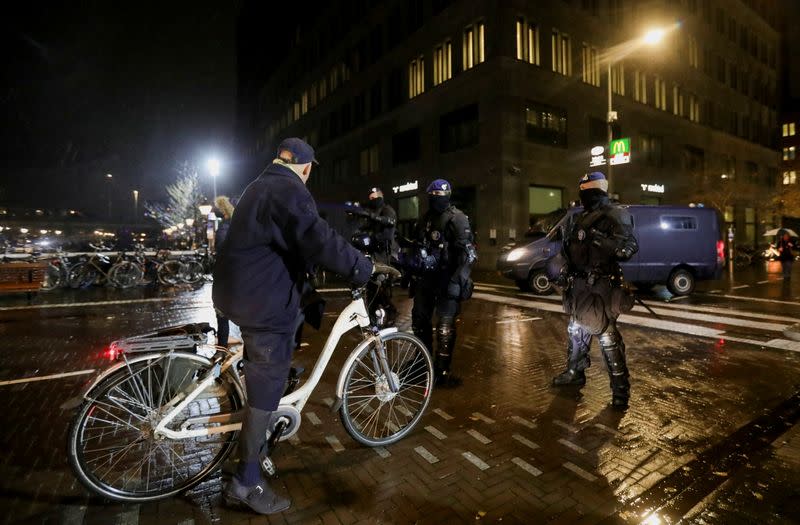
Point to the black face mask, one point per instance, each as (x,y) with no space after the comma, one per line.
(438,203)
(375,204)
(593,198)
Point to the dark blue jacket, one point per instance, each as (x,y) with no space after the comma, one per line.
(275,236)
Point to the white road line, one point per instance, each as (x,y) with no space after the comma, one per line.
(479,437)
(332,290)
(573,446)
(435,432)
(294,440)
(740,287)
(758,299)
(128,517)
(475,460)
(519,320)
(422,451)
(328,402)
(723,311)
(527,467)
(483,418)
(524,422)
(608,429)
(678,298)
(525,441)
(46,378)
(442,414)
(491,285)
(406,412)
(730,321)
(763,282)
(564,424)
(73,515)
(382,452)
(312,417)
(334,442)
(188,521)
(90,303)
(579,471)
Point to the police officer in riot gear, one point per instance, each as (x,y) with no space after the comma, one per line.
(596,239)
(443,258)
(382,222)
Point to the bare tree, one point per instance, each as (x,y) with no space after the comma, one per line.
(184,197)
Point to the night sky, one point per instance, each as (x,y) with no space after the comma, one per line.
(98,87)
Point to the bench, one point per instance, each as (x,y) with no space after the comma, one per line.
(24,277)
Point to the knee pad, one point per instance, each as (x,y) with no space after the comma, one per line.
(446,327)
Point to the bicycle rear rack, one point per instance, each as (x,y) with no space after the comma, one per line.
(181,337)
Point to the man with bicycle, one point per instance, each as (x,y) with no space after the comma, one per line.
(275,237)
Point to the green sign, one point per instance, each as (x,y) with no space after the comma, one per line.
(619,151)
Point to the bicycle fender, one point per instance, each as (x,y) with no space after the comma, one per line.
(352,357)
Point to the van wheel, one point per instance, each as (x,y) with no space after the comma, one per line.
(681,282)
(539,283)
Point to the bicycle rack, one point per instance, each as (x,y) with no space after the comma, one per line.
(182,337)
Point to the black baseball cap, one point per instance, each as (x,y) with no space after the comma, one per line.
(302,152)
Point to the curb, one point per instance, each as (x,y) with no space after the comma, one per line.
(793,332)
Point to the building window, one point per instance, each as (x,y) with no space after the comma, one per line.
(323,91)
(788,129)
(473,45)
(442,62)
(618,79)
(640,86)
(677,101)
(729,214)
(660,86)
(416,77)
(406,146)
(562,53)
(312,96)
(543,200)
(789,153)
(368,161)
(304,103)
(546,124)
(296,111)
(527,42)
(651,149)
(694,108)
(591,65)
(694,54)
(750,225)
(789,177)
(408,208)
(459,129)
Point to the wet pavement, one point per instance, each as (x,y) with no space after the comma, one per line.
(711,435)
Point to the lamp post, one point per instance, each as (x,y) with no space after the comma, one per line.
(189,223)
(205,213)
(650,38)
(213,170)
(109,178)
(135,206)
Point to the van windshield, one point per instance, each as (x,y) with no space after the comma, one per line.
(555,232)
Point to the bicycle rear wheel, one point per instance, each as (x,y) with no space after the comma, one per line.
(371,413)
(125,274)
(192,271)
(169,273)
(82,275)
(112,448)
(53,277)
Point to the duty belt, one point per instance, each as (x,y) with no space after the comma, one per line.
(592,277)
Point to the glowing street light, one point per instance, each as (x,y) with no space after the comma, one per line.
(654,36)
(135,205)
(213,165)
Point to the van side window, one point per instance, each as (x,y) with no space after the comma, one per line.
(673,222)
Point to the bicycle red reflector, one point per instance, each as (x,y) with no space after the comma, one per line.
(720,250)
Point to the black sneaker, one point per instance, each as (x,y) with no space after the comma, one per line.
(447,380)
(259,498)
(570,377)
(619,402)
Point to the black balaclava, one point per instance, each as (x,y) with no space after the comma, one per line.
(375,204)
(592,198)
(438,203)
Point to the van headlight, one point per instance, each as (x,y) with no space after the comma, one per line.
(516,254)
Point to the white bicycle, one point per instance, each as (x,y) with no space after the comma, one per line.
(168,412)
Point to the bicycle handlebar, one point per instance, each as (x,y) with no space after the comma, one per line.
(388,271)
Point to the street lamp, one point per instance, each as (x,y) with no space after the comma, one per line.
(135,205)
(109,178)
(205,214)
(213,170)
(651,37)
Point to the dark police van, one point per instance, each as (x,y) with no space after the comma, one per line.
(678,245)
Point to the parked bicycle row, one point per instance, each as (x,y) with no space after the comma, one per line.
(121,269)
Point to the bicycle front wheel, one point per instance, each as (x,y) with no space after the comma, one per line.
(374,415)
(125,274)
(169,273)
(192,272)
(53,277)
(82,275)
(112,447)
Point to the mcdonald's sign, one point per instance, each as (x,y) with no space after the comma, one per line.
(619,151)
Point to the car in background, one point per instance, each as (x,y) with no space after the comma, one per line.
(678,246)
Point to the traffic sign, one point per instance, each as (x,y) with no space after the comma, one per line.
(619,151)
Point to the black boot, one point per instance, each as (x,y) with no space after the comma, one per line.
(577,357)
(614,354)
(570,377)
(446,335)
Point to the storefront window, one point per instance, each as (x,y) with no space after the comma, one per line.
(407,214)
(542,200)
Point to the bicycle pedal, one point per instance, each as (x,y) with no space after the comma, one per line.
(268,466)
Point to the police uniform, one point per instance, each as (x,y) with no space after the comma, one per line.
(595,241)
(381,223)
(443,259)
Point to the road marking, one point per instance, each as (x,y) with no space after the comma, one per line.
(73,515)
(491,285)
(46,378)
(527,467)
(475,460)
(328,402)
(758,299)
(519,320)
(714,291)
(435,432)
(731,321)
(332,290)
(406,412)
(678,298)
(478,436)
(763,282)
(579,471)
(483,418)
(442,414)
(564,424)
(573,446)
(188,521)
(422,451)
(723,311)
(334,443)
(524,422)
(312,417)
(382,452)
(740,287)
(92,303)
(525,441)
(294,440)
(608,429)
(128,517)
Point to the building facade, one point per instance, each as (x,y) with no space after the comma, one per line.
(508,99)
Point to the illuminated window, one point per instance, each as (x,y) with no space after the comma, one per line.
(562,53)
(660,86)
(791,129)
(323,84)
(788,129)
(304,103)
(416,77)
(640,87)
(618,79)
(296,108)
(789,153)
(694,108)
(790,177)
(442,63)
(473,45)
(527,42)
(694,55)
(312,96)
(677,101)
(591,65)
